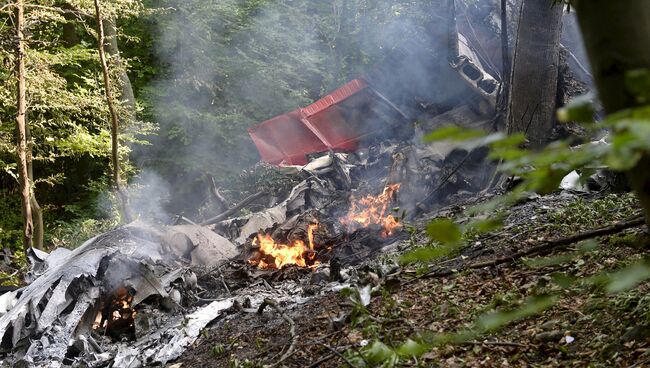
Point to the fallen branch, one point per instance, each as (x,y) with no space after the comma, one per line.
(221,201)
(548,246)
(226,214)
(292,329)
(180,218)
(321,360)
(497,343)
(337,353)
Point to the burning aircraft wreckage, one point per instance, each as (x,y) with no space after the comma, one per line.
(141,294)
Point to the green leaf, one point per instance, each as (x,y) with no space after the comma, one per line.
(580,109)
(509,141)
(638,83)
(412,348)
(486,225)
(629,277)
(563,280)
(444,231)
(495,320)
(379,352)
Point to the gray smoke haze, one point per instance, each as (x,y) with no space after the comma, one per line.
(148,195)
(231,64)
(227,65)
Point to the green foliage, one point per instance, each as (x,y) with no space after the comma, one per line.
(541,172)
(629,277)
(11,238)
(449,237)
(497,319)
(444,231)
(11,235)
(638,83)
(67,115)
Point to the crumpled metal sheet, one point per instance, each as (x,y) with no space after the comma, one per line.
(296,201)
(210,249)
(167,344)
(62,302)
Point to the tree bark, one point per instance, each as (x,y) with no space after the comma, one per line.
(617,38)
(37,211)
(506,71)
(69,36)
(115,159)
(127,96)
(25,185)
(535,71)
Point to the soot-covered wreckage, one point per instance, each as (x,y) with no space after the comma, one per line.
(141,294)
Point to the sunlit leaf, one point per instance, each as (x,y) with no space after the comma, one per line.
(444,231)
(379,352)
(628,277)
(495,320)
(580,109)
(412,348)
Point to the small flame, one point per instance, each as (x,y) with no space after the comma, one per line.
(298,253)
(120,309)
(371,210)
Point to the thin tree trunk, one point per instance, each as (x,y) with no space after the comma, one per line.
(535,71)
(506,71)
(617,38)
(115,159)
(25,186)
(126,89)
(37,211)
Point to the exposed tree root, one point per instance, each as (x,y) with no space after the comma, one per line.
(292,329)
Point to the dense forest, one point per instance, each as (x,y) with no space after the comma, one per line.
(463,182)
(189,77)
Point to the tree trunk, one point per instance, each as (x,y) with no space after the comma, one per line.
(617,38)
(126,89)
(37,211)
(69,36)
(506,71)
(535,71)
(115,158)
(25,186)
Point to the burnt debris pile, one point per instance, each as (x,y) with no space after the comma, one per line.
(141,294)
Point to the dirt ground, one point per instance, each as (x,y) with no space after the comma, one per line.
(585,327)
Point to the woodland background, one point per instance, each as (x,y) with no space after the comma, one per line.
(201,72)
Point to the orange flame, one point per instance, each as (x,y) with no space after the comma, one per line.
(371,210)
(120,309)
(298,253)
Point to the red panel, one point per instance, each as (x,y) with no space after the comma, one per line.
(336,121)
(335,97)
(285,139)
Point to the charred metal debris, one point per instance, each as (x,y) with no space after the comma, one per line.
(141,294)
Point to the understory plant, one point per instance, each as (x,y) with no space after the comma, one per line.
(626,142)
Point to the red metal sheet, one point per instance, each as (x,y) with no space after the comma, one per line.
(285,140)
(336,121)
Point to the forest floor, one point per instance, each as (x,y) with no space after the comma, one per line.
(585,327)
